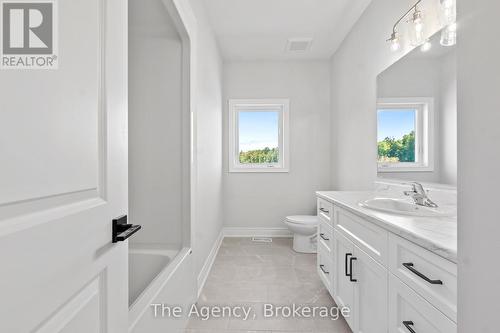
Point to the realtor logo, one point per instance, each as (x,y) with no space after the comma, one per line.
(28,34)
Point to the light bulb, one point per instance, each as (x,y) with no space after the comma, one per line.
(426,46)
(418,27)
(447,3)
(449,11)
(449,35)
(395,45)
(394,41)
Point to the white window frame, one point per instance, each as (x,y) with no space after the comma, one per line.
(424,133)
(259,105)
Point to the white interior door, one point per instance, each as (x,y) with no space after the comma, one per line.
(63,178)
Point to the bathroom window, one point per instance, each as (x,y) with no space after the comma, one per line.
(404,134)
(258,135)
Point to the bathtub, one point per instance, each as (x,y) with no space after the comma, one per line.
(159,275)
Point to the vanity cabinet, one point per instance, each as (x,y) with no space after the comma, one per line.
(389,283)
(360,283)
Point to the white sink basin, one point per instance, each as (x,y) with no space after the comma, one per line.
(403,207)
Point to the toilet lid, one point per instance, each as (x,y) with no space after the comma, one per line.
(303,219)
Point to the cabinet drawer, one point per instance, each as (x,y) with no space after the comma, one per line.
(408,309)
(367,236)
(431,276)
(325,269)
(325,210)
(325,237)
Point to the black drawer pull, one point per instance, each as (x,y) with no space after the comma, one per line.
(345,267)
(322,235)
(350,268)
(322,267)
(324,210)
(408,324)
(409,266)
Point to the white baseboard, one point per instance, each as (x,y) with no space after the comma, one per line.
(202,277)
(256,232)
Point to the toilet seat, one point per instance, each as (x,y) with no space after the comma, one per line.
(303,219)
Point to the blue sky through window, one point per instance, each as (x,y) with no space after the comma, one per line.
(258,130)
(395,123)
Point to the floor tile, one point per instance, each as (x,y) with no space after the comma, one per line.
(251,274)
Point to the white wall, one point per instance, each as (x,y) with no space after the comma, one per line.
(448,120)
(354,68)
(155,124)
(206,101)
(262,200)
(478,166)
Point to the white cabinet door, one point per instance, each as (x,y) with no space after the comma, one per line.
(410,312)
(343,287)
(370,294)
(63,178)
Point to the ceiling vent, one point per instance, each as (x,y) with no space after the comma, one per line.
(298,44)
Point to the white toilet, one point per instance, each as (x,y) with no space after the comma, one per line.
(304,228)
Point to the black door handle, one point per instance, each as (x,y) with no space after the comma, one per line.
(345,267)
(322,267)
(409,266)
(408,324)
(322,235)
(350,269)
(324,211)
(122,230)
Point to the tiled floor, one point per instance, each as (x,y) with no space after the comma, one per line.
(253,274)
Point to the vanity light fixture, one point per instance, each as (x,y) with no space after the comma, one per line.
(394,41)
(449,33)
(449,11)
(418,27)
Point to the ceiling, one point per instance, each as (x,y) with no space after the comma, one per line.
(259,29)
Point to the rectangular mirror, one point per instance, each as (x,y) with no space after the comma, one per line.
(417,116)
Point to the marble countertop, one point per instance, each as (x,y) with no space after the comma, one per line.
(436,234)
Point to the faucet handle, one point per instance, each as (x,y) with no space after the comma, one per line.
(413,189)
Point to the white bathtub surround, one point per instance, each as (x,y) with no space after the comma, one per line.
(207,108)
(436,234)
(209,261)
(145,262)
(175,284)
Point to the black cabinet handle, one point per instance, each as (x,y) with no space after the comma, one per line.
(323,237)
(345,267)
(324,210)
(322,267)
(121,230)
(409,266)
(350,269)
(408,324)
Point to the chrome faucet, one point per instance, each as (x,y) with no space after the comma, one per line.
(419,196)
